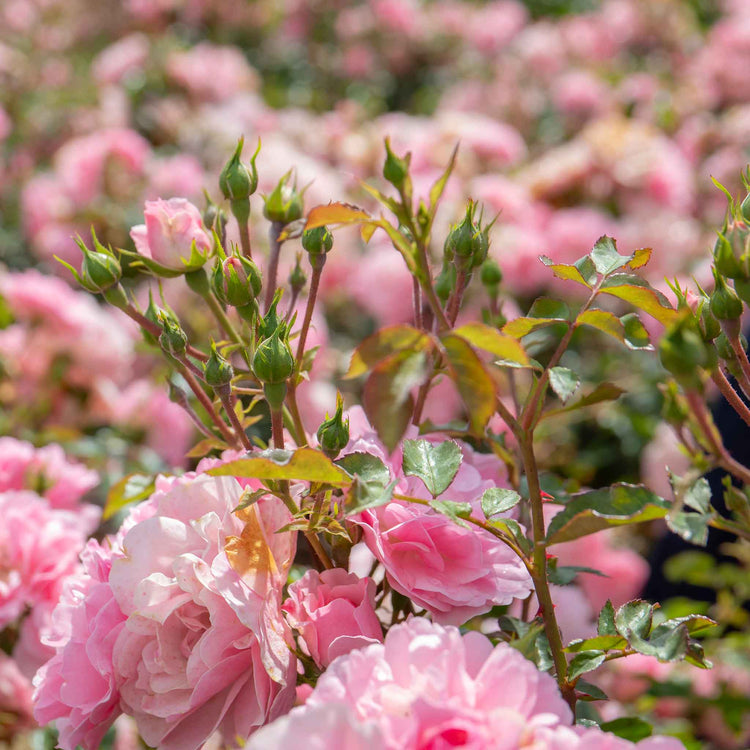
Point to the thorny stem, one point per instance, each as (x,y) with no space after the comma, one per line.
(273,261)
(208,407)
(454,303)
(317,270)
(709,431)
(225,394)
(720,379)
(741,355)
(245,239)
(417,300)
(539,572)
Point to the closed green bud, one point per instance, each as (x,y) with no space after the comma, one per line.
(238,181)
(395,169)
(172,339)
(674,409)
(725,304)
(490,273)
(214,217)
(725,261)
(270,321)
(445,283)
(727,355)
(709,324)
(285,203)
(682,352)
(99,271)
(273,362)
(462,238)
(297,277)
(317,241)
(742,287)
(236,280)
(333,433)
(217,371)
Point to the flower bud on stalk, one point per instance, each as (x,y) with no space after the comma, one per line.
(333,433)
(285,203)
(467,242)
(726,306)
(445,283)
(238,181)
(297,278)
(725,260)
(395,169)
(236,281)
(217,371)
(273,365)
(172,339)
(727,355)
(491,277)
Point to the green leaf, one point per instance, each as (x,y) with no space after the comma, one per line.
(564,382)
(367,467)
(436,191)
(497,500)
(550,308)
(598,643)
(605,257)
(692,527)
(248,498)
(512,529)
(606,621)
(633,620)
(303,464)
(565,271)
(603,321)
(436,464)
(640,294)
(363,495)
(130,489)
(587,691)
(636,335)
(594,510)
(602,392)
(698,497)
(520,327)
(666,642)
(476,386)
(584,661)
(587,269)
(455,511)
(503,346)
(386,397)
(564,575)
(631,728)
(383,344)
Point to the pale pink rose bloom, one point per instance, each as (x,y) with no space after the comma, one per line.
(579,92)
(121,59)
(402,16)
(15,699)
(44,470)
(76,688)
(171,228)
(204,648)
(44,201)
(491,26)
(81,163)
(428,686)
(321,728)
(334,612)
(662,453)
(39,547)
(212,72)
(592,738)
(489,139)
(572,232)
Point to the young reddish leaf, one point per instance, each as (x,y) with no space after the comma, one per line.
(640,258)
(474,383)
(387,399)
(384,343)
(336,213)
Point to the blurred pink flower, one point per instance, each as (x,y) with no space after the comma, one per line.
(39,548)
(44,470)
(171,228)
(121,59)
(179,175)
(212,72)
(334,611)
(15,700)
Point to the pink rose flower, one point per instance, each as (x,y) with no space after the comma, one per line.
(204,648)
(121,59)
(44,470)
(171,228)
(39,548)
(76,687)
(428,687)
(334,612)
(15,700)
(579,738)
